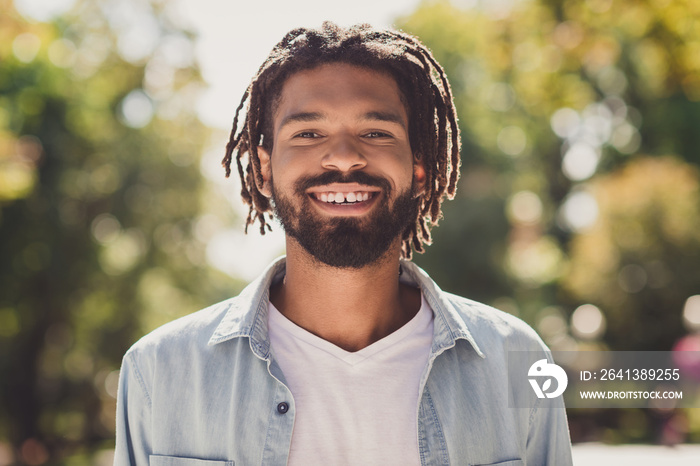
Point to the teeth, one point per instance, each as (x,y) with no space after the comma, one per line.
(341,198)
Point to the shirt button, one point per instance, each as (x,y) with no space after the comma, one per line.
(282,408)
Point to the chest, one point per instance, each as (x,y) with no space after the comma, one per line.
(353,408)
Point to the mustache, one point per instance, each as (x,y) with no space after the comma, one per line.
(359,177)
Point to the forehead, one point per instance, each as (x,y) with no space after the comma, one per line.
(339,88)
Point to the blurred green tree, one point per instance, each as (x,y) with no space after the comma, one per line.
(579,179)
(100,203)
(552,95)
(641,258)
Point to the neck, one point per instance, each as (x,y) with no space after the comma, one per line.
(351,308)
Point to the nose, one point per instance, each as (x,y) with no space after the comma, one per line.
(344,155)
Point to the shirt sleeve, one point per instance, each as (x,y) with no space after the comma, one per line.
(548,441)
(133,442)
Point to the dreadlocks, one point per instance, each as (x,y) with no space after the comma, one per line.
(433,130)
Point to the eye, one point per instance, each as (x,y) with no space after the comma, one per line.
(307,135)
(377,134)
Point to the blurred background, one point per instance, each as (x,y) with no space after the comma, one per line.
(578,208)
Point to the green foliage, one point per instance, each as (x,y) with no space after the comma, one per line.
(579,179)
(100,195)
(532,81)
(640,260)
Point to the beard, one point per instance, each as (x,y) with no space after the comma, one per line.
(346,242)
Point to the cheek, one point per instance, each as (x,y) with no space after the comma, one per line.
(291,160)
(284,178)
(284,169)
(402,170)
(402,164)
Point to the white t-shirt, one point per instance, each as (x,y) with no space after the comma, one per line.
(353,408)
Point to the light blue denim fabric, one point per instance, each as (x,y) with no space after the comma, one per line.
(204,390)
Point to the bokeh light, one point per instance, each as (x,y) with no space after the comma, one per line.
(579,211)
(43,10)
(136,110)
(632,278)
(512,140)
(691,313)
(588,322)
(580,161)
(525,207)
(62,53)
(25,46)
(565,123)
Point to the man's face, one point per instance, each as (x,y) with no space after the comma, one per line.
(341,172)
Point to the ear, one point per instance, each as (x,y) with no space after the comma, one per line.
(419,177)
(265,172)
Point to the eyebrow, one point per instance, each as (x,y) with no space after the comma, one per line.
(385,116)
(300,117)
(316,116)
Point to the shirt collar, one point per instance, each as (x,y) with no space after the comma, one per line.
(246,315)
(449,325)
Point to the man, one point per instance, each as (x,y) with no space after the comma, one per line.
(343,352)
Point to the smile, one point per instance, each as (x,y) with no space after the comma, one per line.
(332,197)
(343,198)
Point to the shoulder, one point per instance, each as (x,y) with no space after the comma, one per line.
(195,338)
(184,334)
(490,326)
(483,326)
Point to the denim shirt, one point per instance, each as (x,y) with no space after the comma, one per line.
(204,390)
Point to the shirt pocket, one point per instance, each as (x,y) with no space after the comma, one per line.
(160,460)
(504,463)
